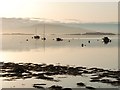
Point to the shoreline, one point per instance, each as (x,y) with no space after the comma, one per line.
(15,71)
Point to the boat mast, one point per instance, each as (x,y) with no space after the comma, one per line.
(44,30)
(36,30)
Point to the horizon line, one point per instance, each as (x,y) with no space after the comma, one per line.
(58,21)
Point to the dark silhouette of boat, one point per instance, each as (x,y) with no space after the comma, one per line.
(106,40)
(59,39)
(36,37)
(44,38)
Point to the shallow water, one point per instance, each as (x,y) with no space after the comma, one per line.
(15,48)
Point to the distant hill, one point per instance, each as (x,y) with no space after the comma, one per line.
(98,33)
(16,34)
(109,27)
(28,26)
(92,33)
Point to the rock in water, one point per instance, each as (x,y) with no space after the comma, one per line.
(88,41)
(106,40)
(82,45)
(26,39)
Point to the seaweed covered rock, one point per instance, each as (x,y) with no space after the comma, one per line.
(18,69)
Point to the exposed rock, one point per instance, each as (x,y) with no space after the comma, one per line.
(41,76)
(81,84)
(54,87)
(89,87)
(95,80)
(38,86)
(66,89)
(115,83)
(106,81)
(15,71)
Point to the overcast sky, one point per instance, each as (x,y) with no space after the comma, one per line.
(81,11)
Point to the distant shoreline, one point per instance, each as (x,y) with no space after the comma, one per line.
(16,34)
(93,33)
(87,33)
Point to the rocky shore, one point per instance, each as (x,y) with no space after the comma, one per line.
(13,71)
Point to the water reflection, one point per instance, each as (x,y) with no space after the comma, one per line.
(27,43)
(17,49)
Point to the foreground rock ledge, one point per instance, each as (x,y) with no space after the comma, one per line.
(15,71)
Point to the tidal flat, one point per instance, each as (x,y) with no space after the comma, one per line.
(12,72)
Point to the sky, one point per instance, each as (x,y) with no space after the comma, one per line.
(66,11)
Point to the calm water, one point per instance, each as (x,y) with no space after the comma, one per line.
(15,48)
